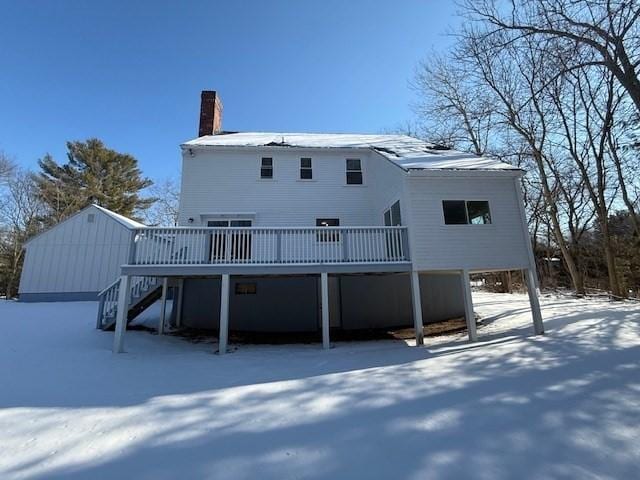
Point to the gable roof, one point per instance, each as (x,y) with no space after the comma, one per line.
(408,152)
(127,222)
(122,220)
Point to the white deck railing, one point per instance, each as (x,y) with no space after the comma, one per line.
(268,245)
(108,298)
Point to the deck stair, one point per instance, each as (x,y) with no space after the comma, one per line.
(144,292)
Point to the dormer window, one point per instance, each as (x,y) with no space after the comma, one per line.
(266,167)
(354,171)
(306,172)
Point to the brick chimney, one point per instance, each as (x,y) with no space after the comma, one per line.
(210,113)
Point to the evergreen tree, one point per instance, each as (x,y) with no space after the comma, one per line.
(92,174)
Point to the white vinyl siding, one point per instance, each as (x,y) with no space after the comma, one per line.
(500,244)
(76,255)
(386,183)
(221,181)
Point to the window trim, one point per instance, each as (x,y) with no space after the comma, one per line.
(306,169)
(347,171)
(262,167)
(466,213)
(389,211)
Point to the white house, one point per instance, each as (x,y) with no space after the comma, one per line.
(314,232)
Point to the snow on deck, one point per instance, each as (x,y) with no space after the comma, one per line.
(566,405)
(406,151)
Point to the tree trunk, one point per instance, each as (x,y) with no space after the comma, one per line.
(574,273)
(612,270)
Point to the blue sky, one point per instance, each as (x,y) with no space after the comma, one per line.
(131,72)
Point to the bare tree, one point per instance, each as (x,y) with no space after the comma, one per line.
(624,157)
(596,32)
(515,71)
(20,211)
(586,103)
(164,211)
(6,167)
(560,75)
(455,112)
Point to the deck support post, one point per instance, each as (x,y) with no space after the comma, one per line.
(121,316)
(468,306)
(180,295)
(324,293)
(223,330)
(163,305)
(534,302)
(418,324)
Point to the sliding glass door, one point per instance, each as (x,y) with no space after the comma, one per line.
(230,246)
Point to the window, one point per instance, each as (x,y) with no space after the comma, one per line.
(478,213)
(392,216)
(391,219)
(330,236)
(306,172)
(91,218)
(246,288)
(266,167)
(354,171)
(462,212)
(454,212)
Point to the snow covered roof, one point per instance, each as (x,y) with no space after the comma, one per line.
(127,222)
(407,152)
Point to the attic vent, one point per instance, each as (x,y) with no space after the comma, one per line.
(91,218)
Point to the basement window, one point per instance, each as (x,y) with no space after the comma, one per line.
(463,212)
(266,167)
(354,171)
(246,288)
(306,172)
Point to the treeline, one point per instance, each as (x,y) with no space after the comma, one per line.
(552,86)
(30,202)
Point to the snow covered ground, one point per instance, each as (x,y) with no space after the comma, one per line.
(564,406)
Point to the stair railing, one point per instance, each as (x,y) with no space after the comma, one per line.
(108,303)
(108,298)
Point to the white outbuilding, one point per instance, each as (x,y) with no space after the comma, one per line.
(77,258)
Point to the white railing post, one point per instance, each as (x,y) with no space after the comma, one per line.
(132,247)
(344,237)
(122,313)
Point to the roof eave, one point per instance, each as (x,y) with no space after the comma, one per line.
(470,172)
